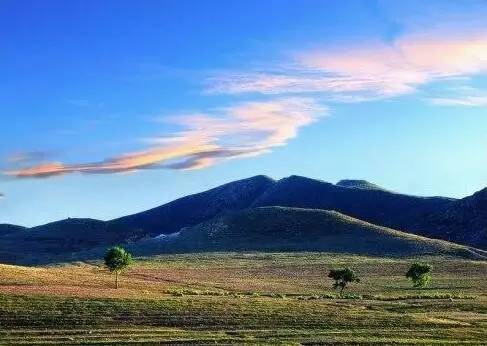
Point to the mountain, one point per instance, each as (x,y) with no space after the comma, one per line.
(373,205)
(463,221)
(61,238)
(294,229)
(193,209)
(6,228)
(359,184)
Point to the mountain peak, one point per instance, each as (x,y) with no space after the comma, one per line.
(359,184)
(300,179)
(74,221)
(260,177)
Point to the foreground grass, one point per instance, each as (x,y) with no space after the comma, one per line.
(244,298)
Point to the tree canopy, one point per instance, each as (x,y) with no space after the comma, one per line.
(116,260)
(343,277)
(419,274)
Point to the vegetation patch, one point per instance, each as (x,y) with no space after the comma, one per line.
(238,298)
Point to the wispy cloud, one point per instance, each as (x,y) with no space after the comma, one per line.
(367,70)
(28,157)
(472,101)
(464,96)
(243,130)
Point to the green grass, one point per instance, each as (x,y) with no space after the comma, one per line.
(294,229)
(244,299)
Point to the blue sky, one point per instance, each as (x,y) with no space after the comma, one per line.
(108,108)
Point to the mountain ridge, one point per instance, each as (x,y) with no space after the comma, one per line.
(359,184)
(235,195)
(458,220)
(381,207)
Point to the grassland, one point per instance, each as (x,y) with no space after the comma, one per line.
(251,298)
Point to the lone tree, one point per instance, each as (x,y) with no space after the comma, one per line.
(343,277)
(117,259)
(419,274)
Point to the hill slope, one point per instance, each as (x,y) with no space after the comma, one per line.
(193,209)
(293,229)
(377,206)
(464,221)
(61,238)
(6,228)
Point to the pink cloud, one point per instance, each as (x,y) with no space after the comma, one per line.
(369,70)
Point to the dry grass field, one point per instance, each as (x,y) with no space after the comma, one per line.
(254,298)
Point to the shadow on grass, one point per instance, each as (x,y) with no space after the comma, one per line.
(429,288)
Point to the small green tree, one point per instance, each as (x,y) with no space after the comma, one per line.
(343,277)
(419,274)
(116,260)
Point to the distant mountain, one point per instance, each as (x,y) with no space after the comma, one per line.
(359,184)
(373,205)
(463,221)
(6,228)
(293,229)
(193,209)
(61,237)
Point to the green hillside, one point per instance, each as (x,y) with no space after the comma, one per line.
(294,229)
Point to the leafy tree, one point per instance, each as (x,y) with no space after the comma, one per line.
(419,274)
(343,277)
(117,259)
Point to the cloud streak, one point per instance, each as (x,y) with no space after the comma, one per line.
(366,71)
(465,96)
(470,101)
(243,130)
(28,157)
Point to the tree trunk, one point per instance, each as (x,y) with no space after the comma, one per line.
(116,279)
(341,291)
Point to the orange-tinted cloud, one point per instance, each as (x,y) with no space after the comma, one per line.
(243,130)
(123,163)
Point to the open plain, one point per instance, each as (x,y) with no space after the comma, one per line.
(244,298)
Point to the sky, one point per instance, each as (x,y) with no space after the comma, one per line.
(112,107)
